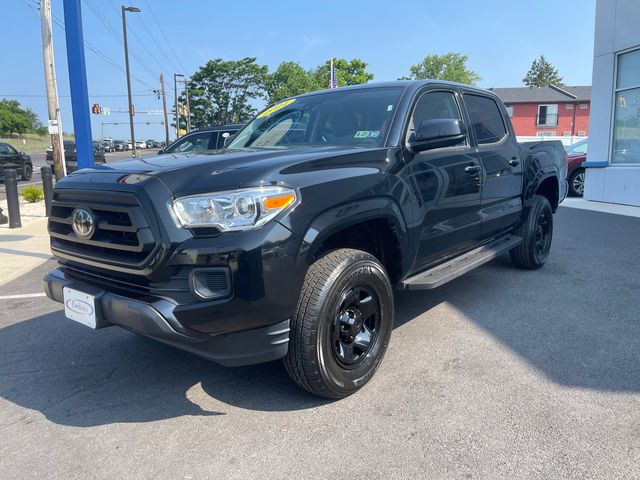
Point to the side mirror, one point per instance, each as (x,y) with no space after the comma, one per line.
(161,151)
(227,139)
(438,133)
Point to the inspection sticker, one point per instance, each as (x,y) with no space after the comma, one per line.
(276,107)
(367,134)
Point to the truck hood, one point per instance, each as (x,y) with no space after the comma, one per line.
(186,174)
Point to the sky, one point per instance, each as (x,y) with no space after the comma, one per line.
(501,38)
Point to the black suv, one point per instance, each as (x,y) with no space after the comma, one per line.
(11,159)
(288,243)
(70,156)
(209,138)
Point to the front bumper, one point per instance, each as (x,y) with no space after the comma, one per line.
(243,347)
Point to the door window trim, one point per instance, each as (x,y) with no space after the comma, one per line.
(459,104)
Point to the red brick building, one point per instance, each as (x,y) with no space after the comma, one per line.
(548,111)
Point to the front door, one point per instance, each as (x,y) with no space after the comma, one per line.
(500,157)
(447,182)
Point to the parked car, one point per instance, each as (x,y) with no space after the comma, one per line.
(141,144)
(153,144)
(577,155)
(10,158)
(120,146)
(70,156)
(287,243)
(209,138)
(108,146)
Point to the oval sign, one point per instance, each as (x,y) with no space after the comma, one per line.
(79,306)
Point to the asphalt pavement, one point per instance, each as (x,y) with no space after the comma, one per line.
(501,373)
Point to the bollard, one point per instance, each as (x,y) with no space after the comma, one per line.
(13,206)
(47,186)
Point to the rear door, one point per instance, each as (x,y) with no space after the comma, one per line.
(500,158)
(447,182)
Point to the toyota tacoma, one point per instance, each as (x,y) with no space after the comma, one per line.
(288,243)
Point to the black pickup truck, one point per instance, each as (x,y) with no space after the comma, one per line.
(288,242)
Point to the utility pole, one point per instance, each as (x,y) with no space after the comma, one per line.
(55,123)
(176,113)
(126,62)
(186,94)
(164,109)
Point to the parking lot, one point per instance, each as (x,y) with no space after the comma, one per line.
(498,374)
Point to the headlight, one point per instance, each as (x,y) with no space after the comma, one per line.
(236,210)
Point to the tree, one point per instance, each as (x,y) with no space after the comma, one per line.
(348,72)
(451,66)
(288,80)
(542,74)
(222,91)
(15,119)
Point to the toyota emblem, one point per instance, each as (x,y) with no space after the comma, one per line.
(83,222)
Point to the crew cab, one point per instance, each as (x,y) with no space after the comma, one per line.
(289,242)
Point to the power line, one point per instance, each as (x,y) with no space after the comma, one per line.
(116,34)
(59,23)
(162,50)
(164,36)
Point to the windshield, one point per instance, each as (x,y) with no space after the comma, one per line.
(578,148)
(344,118)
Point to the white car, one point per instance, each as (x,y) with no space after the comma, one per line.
(141,144)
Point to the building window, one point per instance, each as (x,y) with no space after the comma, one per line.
(547,115)
(509,110)
(584,106)
(566,133)
(626,118)
(547,133)
(568,106)
(582,133)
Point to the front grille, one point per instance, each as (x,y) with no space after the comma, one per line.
(122,235)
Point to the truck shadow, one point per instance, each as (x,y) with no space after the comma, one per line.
(572,321)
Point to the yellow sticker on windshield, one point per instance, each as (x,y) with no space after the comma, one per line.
(276,107)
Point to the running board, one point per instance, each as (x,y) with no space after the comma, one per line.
(443,273)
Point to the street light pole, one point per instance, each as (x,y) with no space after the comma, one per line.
(126,62)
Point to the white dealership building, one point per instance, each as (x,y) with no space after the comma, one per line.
(613,162)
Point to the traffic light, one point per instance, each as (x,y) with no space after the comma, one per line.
(96,109)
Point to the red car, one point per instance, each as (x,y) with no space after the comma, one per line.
(576,156)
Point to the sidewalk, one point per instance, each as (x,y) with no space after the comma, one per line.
(23,249)
(614,208)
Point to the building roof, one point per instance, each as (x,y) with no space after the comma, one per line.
(543,94)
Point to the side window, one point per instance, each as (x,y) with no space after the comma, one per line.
(191,143)
(3,149)
(486,119)
(11,150)
(431,106)
(213,141)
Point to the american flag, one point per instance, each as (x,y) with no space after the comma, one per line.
(333,80)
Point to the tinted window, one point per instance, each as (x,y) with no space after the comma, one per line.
(4,149)
(197,142)
(432,106)
(486,119)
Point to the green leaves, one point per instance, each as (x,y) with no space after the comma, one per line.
(15,119)
(451,66)
(542,74)
(288,80)
(221,91)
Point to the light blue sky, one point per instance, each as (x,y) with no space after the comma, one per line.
(501,38)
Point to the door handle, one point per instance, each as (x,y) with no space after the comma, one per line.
(471,169)
(514,162)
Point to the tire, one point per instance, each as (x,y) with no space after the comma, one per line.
(576,183)
(27,172)
(342,325)
(536,233)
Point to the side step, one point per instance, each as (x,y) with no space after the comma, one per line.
(443,273)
